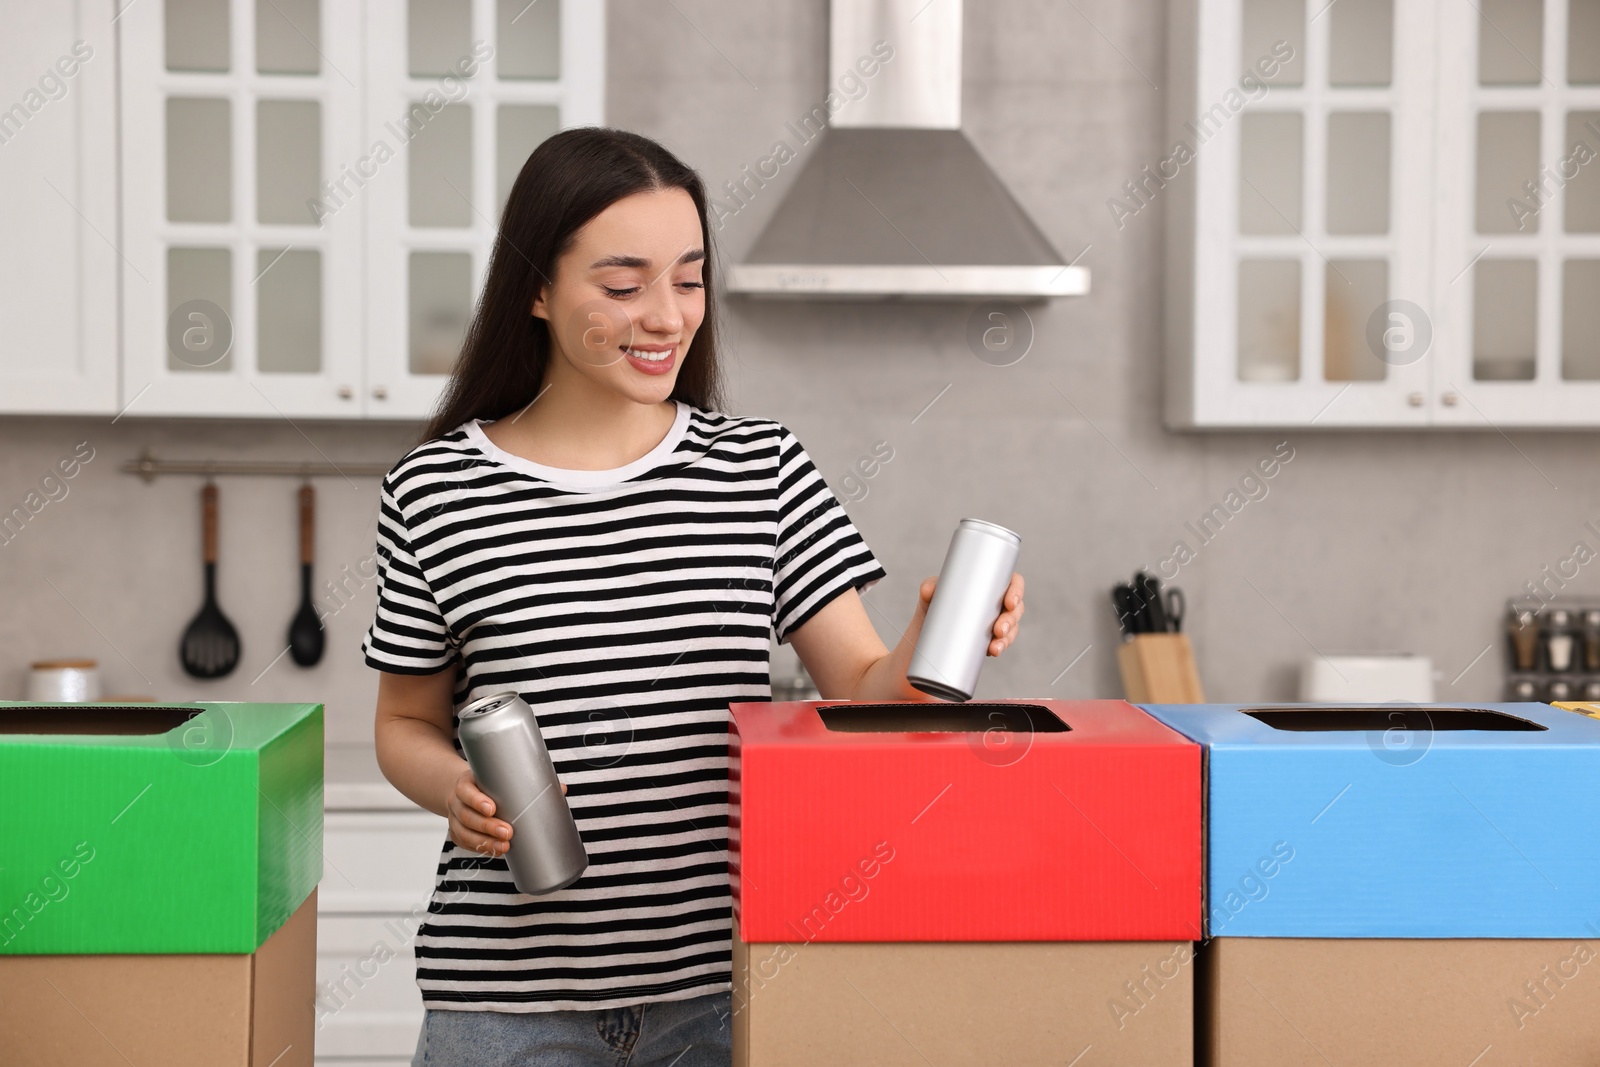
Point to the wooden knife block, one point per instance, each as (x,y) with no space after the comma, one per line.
(1159,669)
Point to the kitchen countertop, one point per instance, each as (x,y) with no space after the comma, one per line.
(351,781)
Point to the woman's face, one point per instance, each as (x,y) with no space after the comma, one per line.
(628,296)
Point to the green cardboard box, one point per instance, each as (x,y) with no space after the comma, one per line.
(156,828)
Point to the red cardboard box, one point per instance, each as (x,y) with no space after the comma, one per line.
(1005,821)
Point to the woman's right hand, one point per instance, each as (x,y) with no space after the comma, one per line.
(472,822)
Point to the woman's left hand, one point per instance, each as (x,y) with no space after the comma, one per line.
(1005,627)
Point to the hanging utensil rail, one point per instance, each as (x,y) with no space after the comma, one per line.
(148,467)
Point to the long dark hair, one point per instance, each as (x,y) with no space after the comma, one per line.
(568,180)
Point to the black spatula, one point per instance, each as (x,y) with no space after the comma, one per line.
(210,647)
(305,632)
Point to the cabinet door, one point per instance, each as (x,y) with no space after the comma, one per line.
(460,92)
(241,284)
(58,278)
(368,1002)
(1519,236)
(379,861)
(1307,128)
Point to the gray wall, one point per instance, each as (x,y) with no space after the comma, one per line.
(1364,541)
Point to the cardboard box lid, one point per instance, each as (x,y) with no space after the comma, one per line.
(1089,830)
(1355,728)
(197,830)
(917,725)
(1418,824)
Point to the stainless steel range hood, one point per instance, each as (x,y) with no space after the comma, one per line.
(892,199)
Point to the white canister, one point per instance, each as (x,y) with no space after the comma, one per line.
(64,681)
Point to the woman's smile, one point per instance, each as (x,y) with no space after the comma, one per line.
(651,359)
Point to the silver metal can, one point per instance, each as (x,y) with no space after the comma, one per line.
(960,621)
(500,736)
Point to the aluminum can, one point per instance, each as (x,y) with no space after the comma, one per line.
(501,739)
(960,622)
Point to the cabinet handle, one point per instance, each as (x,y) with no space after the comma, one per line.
(1415,399)
(380,393)
(345,392)
(1450,399)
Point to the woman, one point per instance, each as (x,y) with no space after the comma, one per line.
(581,524)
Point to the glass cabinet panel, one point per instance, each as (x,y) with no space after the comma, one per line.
(199,160)
(1508,157)
(440,301)
(1504,319)
(1266,22)
(1269,320)
(1269,172)
(1583,42)
(1580,320)
(1354,290)
(288,33)
(528,38)
(438,34)
(288,311)
(1510,39)
(1358,172)
(440,165)
(199,309)
(1581,172)
(288,160)
(519,128)
(197,35)
(1360,42)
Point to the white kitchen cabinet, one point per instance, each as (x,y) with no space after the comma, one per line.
(538,68)
(310,189)
(1518,322)
(58,209)
(1340,247)
(235,300)
(379,863)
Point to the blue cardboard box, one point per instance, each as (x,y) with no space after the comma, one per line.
(1398,821)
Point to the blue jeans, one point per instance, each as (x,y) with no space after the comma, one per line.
(672,1033)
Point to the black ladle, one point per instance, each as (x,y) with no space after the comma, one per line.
(305,632)
(210,646)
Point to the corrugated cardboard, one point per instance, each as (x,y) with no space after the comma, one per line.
(1397,823)
(927,822)
(1103,1003)
(197,828)
(255,1010)
(1288,1002)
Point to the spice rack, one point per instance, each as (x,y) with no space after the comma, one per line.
(1553,651)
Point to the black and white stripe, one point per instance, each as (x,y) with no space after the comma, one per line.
(629,607)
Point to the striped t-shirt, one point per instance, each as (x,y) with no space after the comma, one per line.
(629,607)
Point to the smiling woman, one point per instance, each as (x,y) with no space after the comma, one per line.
(595,218)
(582,525)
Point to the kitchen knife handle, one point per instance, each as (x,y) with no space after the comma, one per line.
(1154,606)
(208,521)
(308,537)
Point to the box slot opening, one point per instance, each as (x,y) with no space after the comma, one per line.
(1389,717)
(915,717)
(108,719)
